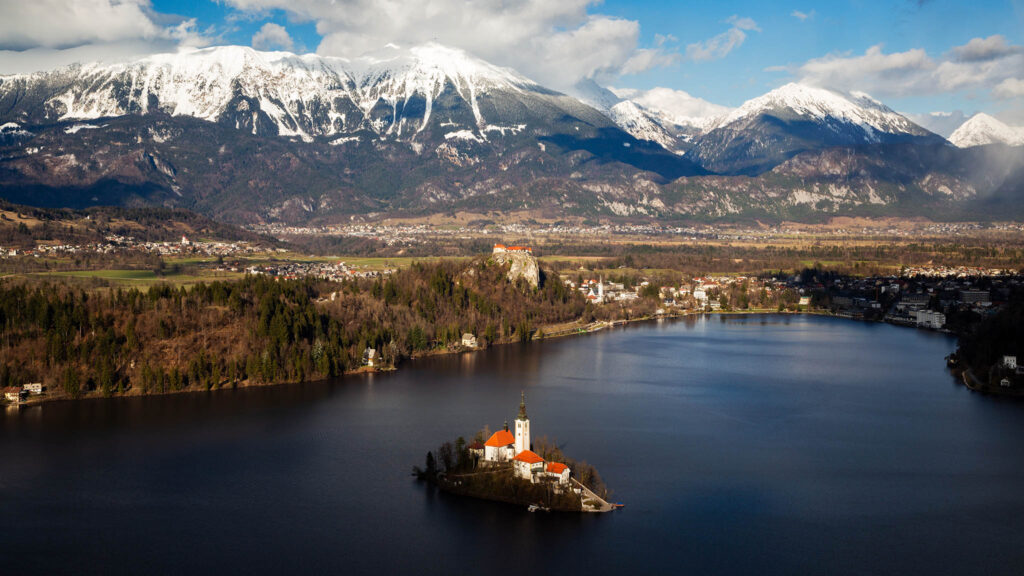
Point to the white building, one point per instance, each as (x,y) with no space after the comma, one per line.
(930,319)
(527,463)
(503,446)
(522,443)
(370,357)
(34,388)
(500,447)
(1010,362)
(558,472)
(700,296)
(469,341)
(13,394)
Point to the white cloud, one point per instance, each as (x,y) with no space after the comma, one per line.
(1009,88)
(985,49)
(802,16)
(69,23)
(41,34)
(978,67)
(555,43)
(272,36)
(719,46)
(743,23)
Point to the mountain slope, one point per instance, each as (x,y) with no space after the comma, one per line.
(669,117)
(767,130)
(982,129)
(396,94)
(304,136)
(247,136)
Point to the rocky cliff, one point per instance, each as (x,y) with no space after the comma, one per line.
(521,265)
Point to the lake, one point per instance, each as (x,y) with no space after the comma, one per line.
(740,445)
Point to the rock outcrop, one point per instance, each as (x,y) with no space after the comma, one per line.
(521,264)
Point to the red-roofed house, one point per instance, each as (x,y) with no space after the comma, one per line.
(526,463)
(500,447)
(559,471)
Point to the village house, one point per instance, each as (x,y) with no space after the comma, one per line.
(14,395)
(1010,362)
(527,463)
(558,472)
(33,388)
(469,340)
(370,357)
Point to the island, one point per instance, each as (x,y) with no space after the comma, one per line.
(507,467)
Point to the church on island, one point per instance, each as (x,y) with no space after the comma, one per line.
(503,447)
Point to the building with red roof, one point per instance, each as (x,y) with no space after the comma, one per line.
(504,446)
(500,447)
(557,471)
(527,463)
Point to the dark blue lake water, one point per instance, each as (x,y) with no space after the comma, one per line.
(740,445)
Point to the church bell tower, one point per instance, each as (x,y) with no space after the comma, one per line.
(522,427)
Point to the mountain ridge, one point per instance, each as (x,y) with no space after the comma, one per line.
(252,136)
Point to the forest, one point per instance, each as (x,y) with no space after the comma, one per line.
(259,330)
(983,345)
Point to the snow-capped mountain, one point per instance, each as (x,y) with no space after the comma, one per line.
(676,108)
(669,117)
(248,136)
(769,129)
(982,129)
(825,106)
(397,93)
(643,125)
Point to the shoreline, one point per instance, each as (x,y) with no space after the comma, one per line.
(582,330)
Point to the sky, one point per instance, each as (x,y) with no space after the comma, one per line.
(938,61)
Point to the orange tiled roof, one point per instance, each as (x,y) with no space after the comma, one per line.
(501,438)
(557,467)
(529,457)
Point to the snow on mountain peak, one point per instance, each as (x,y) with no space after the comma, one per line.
(676,106)
(821,104)
(982,129)
(292,90)
(633,119)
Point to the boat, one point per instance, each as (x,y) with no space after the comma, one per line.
(618,505)
(535,507)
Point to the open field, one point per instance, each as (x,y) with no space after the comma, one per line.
(141,279)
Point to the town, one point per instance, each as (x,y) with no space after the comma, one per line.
(117,244)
